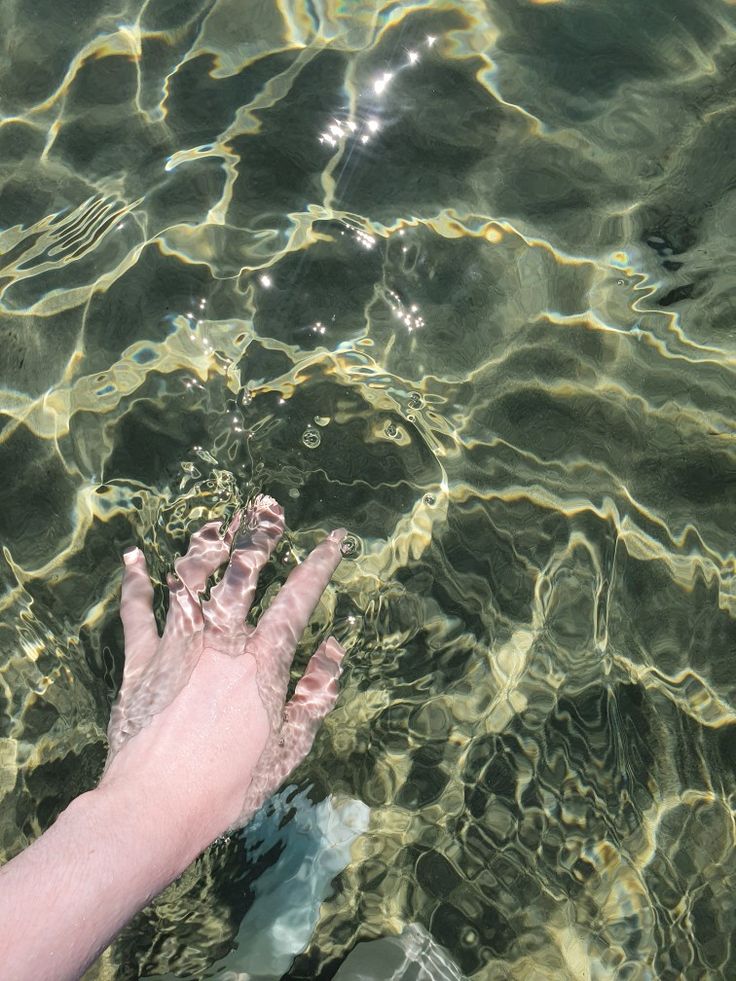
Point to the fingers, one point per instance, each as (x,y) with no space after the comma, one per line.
(141,640)
(316,691)
(315,696)
(136,612)
(284,621)
(176,658)
(156,669)
(206,553)
(260,532)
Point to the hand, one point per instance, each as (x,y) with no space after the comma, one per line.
(200,722)
(198,739)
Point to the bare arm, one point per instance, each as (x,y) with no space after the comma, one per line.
(65,898)
(199,737)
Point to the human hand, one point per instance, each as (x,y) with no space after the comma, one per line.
(199,737)
(200,722)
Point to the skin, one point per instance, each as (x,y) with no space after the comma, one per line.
(199,737)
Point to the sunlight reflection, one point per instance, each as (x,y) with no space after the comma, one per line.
(339,130)
(380,84)
(409,316)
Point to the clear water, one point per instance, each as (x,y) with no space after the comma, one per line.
(460,277)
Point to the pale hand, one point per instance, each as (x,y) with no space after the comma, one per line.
(200,714)
(199,737)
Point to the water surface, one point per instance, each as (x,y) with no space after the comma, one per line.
(460,277)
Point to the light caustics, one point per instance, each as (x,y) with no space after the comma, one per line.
(390,265)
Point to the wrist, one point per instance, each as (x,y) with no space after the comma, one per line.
(165,826)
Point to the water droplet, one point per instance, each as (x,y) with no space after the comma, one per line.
(430,500)
(322,420)
(391,431)
(293,492)
(349,547)
(415,400)
(311,439)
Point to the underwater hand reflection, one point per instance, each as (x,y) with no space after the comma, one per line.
(207,647)
(199,738)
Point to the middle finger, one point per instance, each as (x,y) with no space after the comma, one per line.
(260,530)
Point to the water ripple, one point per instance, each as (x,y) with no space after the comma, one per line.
(458,276)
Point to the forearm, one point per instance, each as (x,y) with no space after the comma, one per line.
(64,899)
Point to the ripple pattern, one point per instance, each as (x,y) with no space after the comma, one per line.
(460,277)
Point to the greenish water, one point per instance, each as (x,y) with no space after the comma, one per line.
(461,277)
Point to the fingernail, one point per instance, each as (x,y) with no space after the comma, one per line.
(130,555)
(266,501)
(337,535)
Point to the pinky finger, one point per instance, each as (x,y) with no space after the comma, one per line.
(315,695)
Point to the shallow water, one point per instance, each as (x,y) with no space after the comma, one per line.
(460,277)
